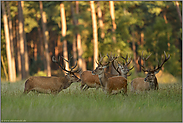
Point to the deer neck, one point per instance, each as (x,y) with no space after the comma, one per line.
(152,83)
(66,83)
(103,79)
(124,75)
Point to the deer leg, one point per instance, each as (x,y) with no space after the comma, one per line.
(125,90)
(86,87)
(82,85)
(55,92)
(26,91)
(97,87)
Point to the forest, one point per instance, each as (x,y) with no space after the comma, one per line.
(32,32)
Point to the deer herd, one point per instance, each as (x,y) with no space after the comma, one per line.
(110,83)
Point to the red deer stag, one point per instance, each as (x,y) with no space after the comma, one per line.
(92,81)
(150,81)
(122,68)
(51,84)
(111,85)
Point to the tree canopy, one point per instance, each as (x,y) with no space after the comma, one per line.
(150,26)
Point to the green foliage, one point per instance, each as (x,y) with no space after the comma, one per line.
(131,17)
(36,65)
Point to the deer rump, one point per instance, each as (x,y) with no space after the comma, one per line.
(90,80)
(116,84)
(45,84)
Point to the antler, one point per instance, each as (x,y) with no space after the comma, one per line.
(144,59)
(124,57)
(111,59)
(165,60)
(126,62)
(69,60)
(101,58)
(155,69)
(54,60)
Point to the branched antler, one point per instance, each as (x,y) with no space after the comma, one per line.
(111,57)
(108,62)
(165,60)
(71,68)
(155,69)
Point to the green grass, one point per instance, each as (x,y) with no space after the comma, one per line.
(72,104)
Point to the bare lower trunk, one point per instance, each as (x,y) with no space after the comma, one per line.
(13,69)
(113,20)
(101,24)
(40,44)
(95,34)
(178,11)
(25,46)
(74,48)
(134,51)
(18,46)
(4,68)
(21,41)
(45,37)
(64,28)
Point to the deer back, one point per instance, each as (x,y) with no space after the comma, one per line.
(45,84)
(88,78)
(138,84)
(116,84)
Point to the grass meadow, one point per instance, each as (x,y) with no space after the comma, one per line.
(92,105)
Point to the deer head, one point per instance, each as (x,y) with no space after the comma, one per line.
(150,77)
(69,73)
(100,68)
(122,68)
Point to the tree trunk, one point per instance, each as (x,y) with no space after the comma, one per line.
(18,45)
(112,13)
(134,51)
(164,16)
(40,48)
(64,28)
(81,60)
(75,34)
(13,69)
(74,49)
(58,48)
(142,44)
(178,11)
(35,51)
(95,34)
(4,68)
(101,24)
(12,77)
(111,3)
(45,38)
(25,46)
(21,40)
